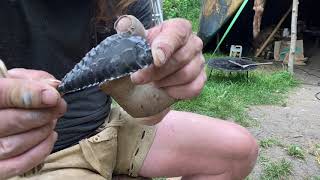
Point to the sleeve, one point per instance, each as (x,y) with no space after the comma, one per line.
(142,10)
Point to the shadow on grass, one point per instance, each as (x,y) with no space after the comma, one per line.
(228,96)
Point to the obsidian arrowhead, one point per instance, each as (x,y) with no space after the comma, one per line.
(116,56)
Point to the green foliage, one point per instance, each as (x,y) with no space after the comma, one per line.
(315,178)
(208,56)
(296,151)
(188,9)
(263,160)
(228,96)
(267,143)
(276,170)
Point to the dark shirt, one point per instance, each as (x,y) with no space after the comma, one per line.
(53,35)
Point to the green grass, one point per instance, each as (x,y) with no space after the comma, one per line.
(269,142)
(228,97)
(277,170)
(262,159)
(188,9)
(315,178)
(296,151)
(208,56)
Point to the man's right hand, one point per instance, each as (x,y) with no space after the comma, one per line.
(29,108)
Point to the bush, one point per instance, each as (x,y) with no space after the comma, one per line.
(188,9)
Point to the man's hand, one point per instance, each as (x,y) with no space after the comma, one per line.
(29,109)
(179,63)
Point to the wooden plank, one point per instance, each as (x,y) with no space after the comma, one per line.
(273,32)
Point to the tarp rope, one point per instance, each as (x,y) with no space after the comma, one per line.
(243,5)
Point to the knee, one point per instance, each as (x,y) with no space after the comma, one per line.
(244,152)
(245,145)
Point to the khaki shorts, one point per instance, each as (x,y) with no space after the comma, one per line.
(120,148)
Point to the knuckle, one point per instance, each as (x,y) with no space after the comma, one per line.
(182,37)
(196,90)
(22,96)
(5,92)
(32,116)
(184,56)
(18,93)
(38,118)
(202,58)
(13,170)
(26,120)
(34,119)
(198,43)
(197,87)
(184,29)
(205,78)
(6,147)
(202,61)
(186,24)
(185,74)
(22,167)
(22,120)
(62,107)
(45,131)
(55,112)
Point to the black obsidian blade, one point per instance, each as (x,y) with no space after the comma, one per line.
(116,56)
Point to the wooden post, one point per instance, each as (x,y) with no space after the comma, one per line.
(273,32)
(294,20)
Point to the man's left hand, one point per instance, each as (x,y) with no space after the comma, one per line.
(178,61)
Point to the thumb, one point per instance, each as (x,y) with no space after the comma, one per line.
(161,50)
(167,38)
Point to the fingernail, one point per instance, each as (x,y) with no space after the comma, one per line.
(123,24)
(55,136)
(54,81)
(63,108)
(49,97)
(136,78)
(160,55)
(53,124)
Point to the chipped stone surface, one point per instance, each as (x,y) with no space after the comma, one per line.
(115,57)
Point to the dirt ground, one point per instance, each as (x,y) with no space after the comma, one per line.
(295,122)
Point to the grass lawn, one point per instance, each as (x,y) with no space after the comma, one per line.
(188,9)
(226,96)
(229,96)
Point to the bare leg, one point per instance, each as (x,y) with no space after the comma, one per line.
(200,147)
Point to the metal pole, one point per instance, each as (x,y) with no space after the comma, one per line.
(157,14)
(292,55)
